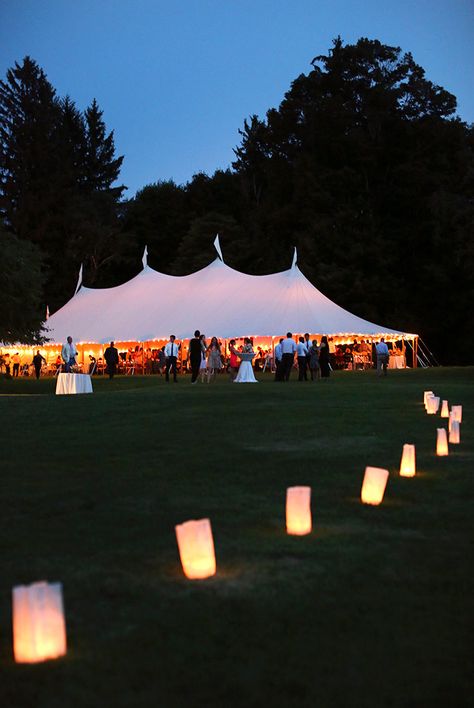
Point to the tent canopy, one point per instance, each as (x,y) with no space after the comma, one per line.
(217,300)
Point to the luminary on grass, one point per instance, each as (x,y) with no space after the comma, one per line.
(196,549)
(408,463)
(445,410)
(426,395)
(298,511)
(39,628)
(456,412)
(441,442)
(373,486)
(455,433)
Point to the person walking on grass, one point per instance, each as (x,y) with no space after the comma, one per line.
(171,353)
(195,355)
(37,362)
(382,352)
(111,357)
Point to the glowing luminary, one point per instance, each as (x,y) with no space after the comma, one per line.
(39,628)
(373,486)
(456,412)
(196,549)
(445,410)
(455,433)
(441,442)
(408,463)
(298,511)
(426,395)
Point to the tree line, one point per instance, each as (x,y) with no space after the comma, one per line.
(364,166)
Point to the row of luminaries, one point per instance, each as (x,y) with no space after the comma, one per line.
(39,628)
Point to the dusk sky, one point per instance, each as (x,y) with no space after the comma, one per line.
(176,79)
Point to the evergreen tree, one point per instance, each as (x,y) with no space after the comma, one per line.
(21,308)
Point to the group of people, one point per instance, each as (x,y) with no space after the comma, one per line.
(310,357)
(314,361)
(206,360)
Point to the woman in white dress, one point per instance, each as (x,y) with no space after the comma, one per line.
(245,373)
(203,366)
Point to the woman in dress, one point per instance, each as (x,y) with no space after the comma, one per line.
(214,359)
(245,373)
(313,356)
(324,357)
(203,367)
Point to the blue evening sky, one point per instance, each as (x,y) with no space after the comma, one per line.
(177,78)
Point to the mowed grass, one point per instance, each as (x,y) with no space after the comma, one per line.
(373,609)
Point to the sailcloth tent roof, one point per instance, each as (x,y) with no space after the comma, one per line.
(218,300)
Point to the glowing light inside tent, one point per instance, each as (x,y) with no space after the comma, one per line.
(39,628)
(373,486)
(455,433)
(298,511)
(441,442)
(196,549)
(408,461)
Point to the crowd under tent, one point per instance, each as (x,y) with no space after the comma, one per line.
(218,300)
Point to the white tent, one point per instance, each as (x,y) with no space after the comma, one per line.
(217,300)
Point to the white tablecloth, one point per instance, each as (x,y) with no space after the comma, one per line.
(396,362)
(73,383)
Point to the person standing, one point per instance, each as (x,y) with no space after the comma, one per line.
(278,366)
(194,355)
(233,360)
(309,345)
(301,353)
(288,349)
(171,353)
(38,360)
(324,357)
(203,365)
(382,352)
(111,357)
(16,365)
(214,359)
(68,354)
(314,361)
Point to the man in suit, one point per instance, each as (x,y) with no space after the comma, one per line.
(195,355)
(111,359)
(171,353)
(68,354)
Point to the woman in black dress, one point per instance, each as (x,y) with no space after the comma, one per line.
(324,358)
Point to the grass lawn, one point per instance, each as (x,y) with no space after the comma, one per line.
(373,609)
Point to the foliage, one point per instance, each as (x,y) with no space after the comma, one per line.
(21,283)
(57,169)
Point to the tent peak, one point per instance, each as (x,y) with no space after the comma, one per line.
(295,259)
(145,258)
(217,246)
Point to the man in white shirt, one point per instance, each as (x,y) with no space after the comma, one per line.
(382,357)
(171,353)
(288,349)
(68,355)
(301,353)
(278,361)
